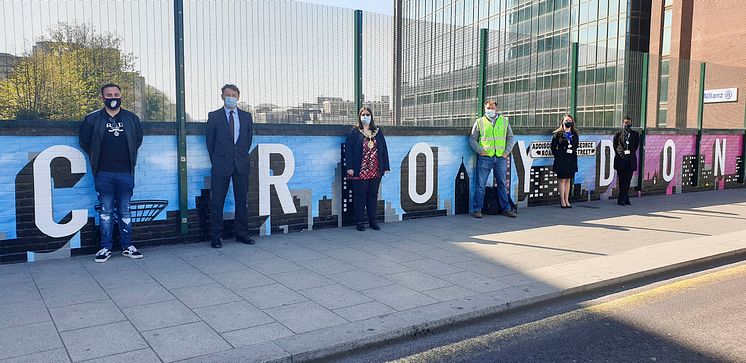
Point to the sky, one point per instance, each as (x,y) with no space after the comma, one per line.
(377,6)
(279,52)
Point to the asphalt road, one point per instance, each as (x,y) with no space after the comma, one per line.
(695,319)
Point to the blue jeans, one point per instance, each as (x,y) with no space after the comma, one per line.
(497,165)
(114,192)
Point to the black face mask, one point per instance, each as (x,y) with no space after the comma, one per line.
(627,127)
(568,124)
(113,103)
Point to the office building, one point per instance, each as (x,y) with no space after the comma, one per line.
(528,69)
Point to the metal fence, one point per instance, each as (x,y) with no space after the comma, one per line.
(299,63)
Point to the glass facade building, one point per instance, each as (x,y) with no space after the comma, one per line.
(528,68)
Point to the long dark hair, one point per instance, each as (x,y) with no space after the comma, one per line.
(372,125)
(560,130)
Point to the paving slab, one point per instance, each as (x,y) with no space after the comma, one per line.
(73,294)
(242,279)
(138,356)
(23,313)
(335,296)
(71,317)
(58,355)
(185,341)
(257,334)
(399,297)
(160,315)
(150,293)
(364,311)
(103,340)
(305,316)
(301,279)
(270,296)
(308,295)
(257,353)
(233,316)
(205,295)
(26,339)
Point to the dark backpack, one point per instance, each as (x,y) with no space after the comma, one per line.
(491,205)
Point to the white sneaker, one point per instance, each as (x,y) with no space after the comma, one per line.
(132,252)
(103,255)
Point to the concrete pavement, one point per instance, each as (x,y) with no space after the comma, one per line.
(694,318)
(307,295)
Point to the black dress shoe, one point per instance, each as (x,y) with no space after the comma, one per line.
(245,240)
(563,207)
(216,244)
(375,226)
(626,202)
(622,204)
(360,227)
(569,207)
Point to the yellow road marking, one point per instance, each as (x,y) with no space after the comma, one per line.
(668,289)
(556,322)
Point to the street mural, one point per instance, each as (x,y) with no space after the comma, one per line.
(47,201)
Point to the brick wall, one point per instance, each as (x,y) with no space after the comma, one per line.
(47,198)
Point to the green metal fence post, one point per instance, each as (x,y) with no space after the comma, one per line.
(573,109)
(700,115)
(181,115)
(573,95)
(643,120)
(358,59)
(482,86)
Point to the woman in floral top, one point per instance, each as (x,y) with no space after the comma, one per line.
(367,160)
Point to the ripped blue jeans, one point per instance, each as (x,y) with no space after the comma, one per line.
(114,192)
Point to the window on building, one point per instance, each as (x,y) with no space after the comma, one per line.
(664,68)
(666,41)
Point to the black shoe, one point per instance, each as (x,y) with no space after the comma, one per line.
(621,203)
(216,244)
(360,227)
(132,252)
(375,226)
(245,240)
(569,207)
(102,255)
(563,207)
(626,202)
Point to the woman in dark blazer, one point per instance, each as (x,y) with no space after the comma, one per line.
(367,160)
(564,147)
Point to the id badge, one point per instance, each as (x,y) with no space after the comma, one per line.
(627,152)
(569,151)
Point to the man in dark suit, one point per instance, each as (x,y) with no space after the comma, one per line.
(229,134)
(626,142)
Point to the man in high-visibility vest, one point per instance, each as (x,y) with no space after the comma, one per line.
(492,139)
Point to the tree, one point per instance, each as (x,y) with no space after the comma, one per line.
(158,107)
(61,76)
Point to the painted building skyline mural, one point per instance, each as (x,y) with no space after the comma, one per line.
(47,202)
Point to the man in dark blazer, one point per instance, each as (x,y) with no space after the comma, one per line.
(626,142)
(229,135)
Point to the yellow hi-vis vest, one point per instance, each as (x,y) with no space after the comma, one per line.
(492,138)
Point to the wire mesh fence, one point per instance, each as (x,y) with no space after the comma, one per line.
(54,56)
(295,63)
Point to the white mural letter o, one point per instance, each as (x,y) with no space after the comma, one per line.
(417,149)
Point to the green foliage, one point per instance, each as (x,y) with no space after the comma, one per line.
(61,76)
(157,106)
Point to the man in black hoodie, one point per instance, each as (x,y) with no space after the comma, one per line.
(111,136)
